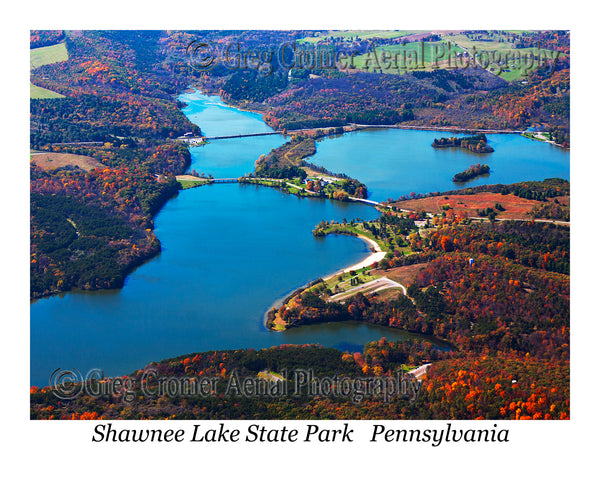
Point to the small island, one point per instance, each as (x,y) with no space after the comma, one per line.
(476,143)
(472,172)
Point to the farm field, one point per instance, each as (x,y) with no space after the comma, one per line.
(40,92)
(467,205)
(495,43)
(405,57)
(405,275)
(45,56)
(52,160)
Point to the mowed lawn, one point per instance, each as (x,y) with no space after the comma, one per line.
(45,56)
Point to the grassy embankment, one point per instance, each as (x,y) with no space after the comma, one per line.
(191,181)
(45,56)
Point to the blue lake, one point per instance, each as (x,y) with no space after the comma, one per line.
(230,251)
(393,162)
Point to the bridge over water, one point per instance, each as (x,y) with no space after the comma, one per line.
(236,180)
(224,180)
(242,135)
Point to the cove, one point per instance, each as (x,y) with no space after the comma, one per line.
(228,252)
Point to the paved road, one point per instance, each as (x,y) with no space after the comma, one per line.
(420,371)
(372,286)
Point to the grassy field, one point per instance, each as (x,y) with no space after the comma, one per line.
(342,282)
(403,58)
(52,160)
(493,44)
(39,92)
(468,205)
(45,56)
(541,136)
(189,181)
(405,275)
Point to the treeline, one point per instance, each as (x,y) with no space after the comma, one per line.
(543,246)
(340,98)
(380,117)
(476,143)
(485,286)
(543,98)
(447,80)
(253,86)
(115,84)
(45,38)
(86,118)
(325,97)
(532,190)
(492,386)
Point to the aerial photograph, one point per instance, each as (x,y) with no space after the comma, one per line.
(300,225)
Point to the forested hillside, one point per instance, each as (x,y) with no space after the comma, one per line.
(118,95)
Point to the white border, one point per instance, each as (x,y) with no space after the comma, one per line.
(58,449)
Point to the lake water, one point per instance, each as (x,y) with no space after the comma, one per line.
(230,251)
(393,162)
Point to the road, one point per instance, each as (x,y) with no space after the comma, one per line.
(372,287)
(540,220)
(419,371)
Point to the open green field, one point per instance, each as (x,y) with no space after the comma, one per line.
(39,92)
(185,184)
(401,58)
(46,55)
(495,43)
(468,44)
